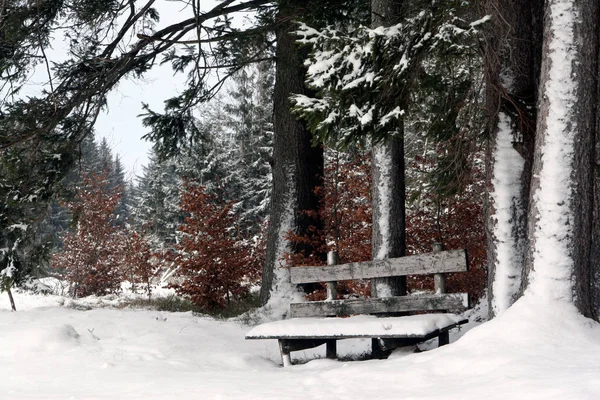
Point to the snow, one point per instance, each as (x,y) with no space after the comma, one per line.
(382,160)
(532,351)
(282,291)
(22,227)
(480,21)
(356,326)
(508,167)
(552,259)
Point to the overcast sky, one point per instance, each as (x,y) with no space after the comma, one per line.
(120,123)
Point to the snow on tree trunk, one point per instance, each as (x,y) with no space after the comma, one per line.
(388,213)
(508,211)
(297,164)
(512,55)
(389,216)
(282,291)
(562,194)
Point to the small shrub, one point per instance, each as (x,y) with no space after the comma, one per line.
(214,264)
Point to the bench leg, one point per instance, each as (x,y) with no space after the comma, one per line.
(331,349)
(286,359)
(377,351)
(443,338)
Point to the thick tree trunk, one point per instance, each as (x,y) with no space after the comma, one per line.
(297,164)
(512,55)
(587,34)
(561,204)
(595,250)
(388,181)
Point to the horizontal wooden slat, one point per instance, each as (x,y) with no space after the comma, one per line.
(429,302)
(359,326)
(420,264)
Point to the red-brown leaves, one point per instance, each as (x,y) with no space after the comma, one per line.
(98,255)
(91,254)
(215,266)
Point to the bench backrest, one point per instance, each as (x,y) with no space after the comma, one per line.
(437,263)
(420,264)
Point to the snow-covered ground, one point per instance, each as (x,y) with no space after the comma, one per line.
(51,351)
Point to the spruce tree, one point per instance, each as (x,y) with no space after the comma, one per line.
(155,207)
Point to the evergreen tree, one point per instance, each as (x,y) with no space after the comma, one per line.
(119,183)
(155,208)
(249,117)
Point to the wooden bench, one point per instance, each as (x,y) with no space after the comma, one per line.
(324,322)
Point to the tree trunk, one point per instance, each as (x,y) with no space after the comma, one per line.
(512,55)
(12,300)
(389,225)
(297,164)
(561,203)
(595,249)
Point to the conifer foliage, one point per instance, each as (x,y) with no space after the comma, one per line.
(215,268)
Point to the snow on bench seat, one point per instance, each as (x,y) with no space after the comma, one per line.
(359,326)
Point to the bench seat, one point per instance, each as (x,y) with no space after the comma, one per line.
(359,326)
(390,332)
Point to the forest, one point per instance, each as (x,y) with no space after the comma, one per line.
(375,129)
(295,133)
(244,177)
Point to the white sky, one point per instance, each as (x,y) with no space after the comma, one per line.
(120,124)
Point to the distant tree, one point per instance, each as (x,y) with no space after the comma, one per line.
(457,222)
(139,263)
(118,181)
(249,116)
(155,204)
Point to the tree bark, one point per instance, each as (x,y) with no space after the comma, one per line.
(595,248)
(12,300)
(512,57)
(297,164)
(587,35)
(561,210)
(389,222)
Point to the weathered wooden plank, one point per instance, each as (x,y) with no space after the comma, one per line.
(429,302)
(420,264)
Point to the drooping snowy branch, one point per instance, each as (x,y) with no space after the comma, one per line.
(361,75)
